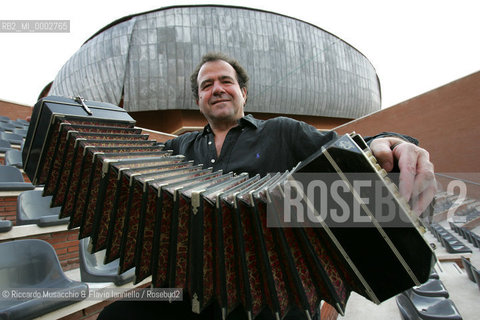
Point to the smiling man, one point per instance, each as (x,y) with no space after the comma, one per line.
(234,142)
(220,98)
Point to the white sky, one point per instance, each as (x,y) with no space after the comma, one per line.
(414,45)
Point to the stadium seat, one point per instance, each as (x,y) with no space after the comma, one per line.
(13,157)
(11,137)
(5,145)
(7,126)
(467,265)
(11,179)
(33,265)
(476,276)
(448,240)
(463,233)
(434,275)
(4,119)
(92,268)
(407,309)
(432,288)
(452,225)
(476,239)
(19,123)
(470,236)
(5,225)
(32,208)
(20,131)
(23,121)
(456,247)
(414,306)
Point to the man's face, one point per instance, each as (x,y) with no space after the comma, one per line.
(220,98)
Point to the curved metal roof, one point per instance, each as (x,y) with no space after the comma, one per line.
(294,67)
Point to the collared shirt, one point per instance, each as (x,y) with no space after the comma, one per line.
(254,146)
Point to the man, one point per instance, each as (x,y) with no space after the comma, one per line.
(234,142)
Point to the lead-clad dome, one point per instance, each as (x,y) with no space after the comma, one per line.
(294,67)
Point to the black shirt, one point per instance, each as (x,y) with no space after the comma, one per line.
(258,146)
(254,146)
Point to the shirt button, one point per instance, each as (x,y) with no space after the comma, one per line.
(212,161)
(209,142)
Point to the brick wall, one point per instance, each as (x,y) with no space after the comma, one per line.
(14,110)
(90,313)
(445,120)
(8,208)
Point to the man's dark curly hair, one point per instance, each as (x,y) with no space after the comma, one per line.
(242,76)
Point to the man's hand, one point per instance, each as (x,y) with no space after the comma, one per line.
(417,179)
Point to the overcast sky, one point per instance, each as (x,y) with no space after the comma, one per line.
(414,45)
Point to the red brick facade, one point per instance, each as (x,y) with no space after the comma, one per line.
(14,110)
(8,208)
(445,120)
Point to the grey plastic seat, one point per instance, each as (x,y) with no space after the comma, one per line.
(432,288)
(11,179)
(21,132)
(5,225)
(4,119)
(434,275)
(467,265)
(18,123)
(470,236)
(406,308)
(33,264)
(7,126)
(23,121)
(463,233)
(92,268)
(32,208)
(456,247)
(476,239)
(13,157)
(11,137)
(476,276)
(452,226)
(414,306)
(5,145)
(448,240)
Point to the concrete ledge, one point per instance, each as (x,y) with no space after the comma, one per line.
(30,230)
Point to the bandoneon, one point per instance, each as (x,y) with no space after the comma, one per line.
(224,237)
